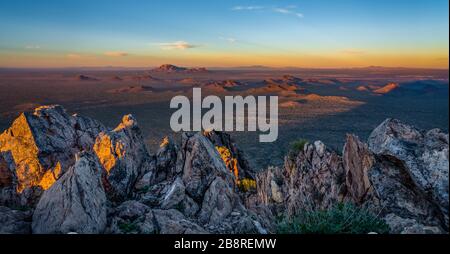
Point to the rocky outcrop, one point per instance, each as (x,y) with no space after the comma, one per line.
(232,156)
(88,179)
(385,185)
(313,179)
(43,144)
(358,161)
(173,222)
(123,155)
(202,165)
(198,186)
(131,217)
(423,155)
(401,175)
(75,203)
(166,167)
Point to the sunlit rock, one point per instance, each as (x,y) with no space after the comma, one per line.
(43,143)
(123,154)
(75,203)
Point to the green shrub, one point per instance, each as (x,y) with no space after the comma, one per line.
(341,219)
(298,145)
(128,227)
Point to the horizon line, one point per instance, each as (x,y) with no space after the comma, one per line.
(218,67)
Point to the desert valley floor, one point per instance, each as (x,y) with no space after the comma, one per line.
(315,104)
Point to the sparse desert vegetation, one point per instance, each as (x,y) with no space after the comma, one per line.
(343,218)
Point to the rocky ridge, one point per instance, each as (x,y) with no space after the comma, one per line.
(401,175)
(62,173)
(169,68)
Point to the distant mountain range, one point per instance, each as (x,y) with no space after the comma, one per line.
(173,68)
(419,87)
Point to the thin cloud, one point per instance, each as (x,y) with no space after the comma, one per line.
(287,10)
(247,8)
(229,39)
(115,54)
(178,45)
(282,10)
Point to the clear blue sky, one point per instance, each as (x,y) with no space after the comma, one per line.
(78,32)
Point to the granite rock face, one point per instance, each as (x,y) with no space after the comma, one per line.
(62,173)
(401,175)
(422,155)
(234,159)
(198,186)
(310,180)
(75,203)
(43,144)
(123,155)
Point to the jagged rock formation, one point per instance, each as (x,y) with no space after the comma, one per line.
(310,180)
(401,175)
(234,158)
(43,144)
(123,155)
(423,157)
(95,180)
(86,178)
(196,187)
(75,203)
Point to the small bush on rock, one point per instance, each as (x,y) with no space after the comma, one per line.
(298,145)
(343,218)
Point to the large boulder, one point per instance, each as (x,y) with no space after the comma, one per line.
(134,217)
(174,222)
(202,165)
(384,185)
(75,203)
(423,155)
(131,217)
(43,144)
(123,155)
